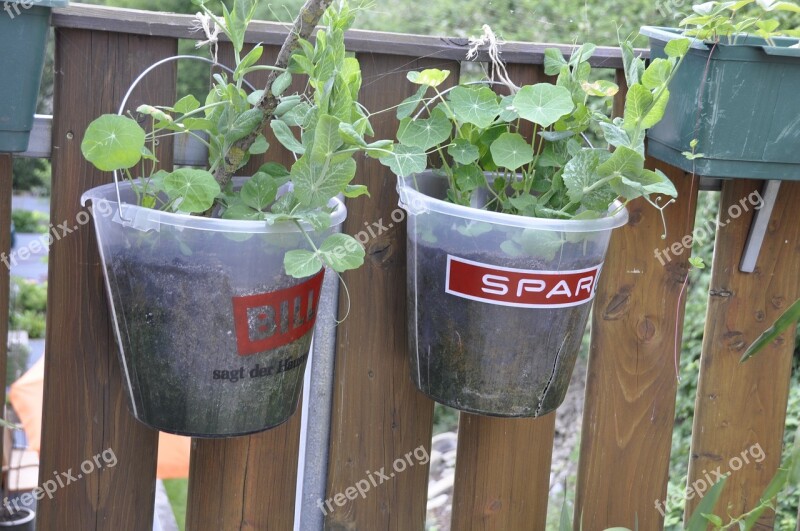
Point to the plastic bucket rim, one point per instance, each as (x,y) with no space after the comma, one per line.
(28,518)
(431,204)
(107,193)
(664,34)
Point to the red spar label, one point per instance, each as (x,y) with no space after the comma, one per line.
(505,286)
(271,320)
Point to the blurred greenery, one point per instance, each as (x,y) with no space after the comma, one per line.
(177,492)
(28,305)
(30,221)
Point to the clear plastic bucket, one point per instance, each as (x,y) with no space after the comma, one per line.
(213,335)
(497,303)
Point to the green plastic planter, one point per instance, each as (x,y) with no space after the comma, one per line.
(23,38)
(744,110)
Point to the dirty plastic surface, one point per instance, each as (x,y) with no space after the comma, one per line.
(495,327)
(213,336)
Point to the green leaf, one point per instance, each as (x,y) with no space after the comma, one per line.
(657,111)
(469,177)
(646,182)
(356,190)
(276,171)
(350,135)
(637,103)
(633,65)
(463,151)
(259,146)
(583,53)
(191,190)
(113,142)
(677,47)
(247,61)
(511,151)
(580,173)
(318,219)
(791,315)
(657,73)
(244,124)
(342,252)
(431,77)
(406,160)
(186,104)
(326,139)
(286,137)
(281,83)
(507,111)
(316,183)
(425,133)
(697,262)
(600,88)
(698,522)
(259,191)
(540,243)
(553,61)
(476,105)
(410,104)
(543,104)
(238,210)
(474,228)
(300,263)
(156,114)
(623,161)
(615,135)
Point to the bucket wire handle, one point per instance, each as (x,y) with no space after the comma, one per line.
(136,83)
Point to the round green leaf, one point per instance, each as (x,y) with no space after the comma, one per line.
(191,190)
(475,105)
(300,263)
(543,104)
(463,151)
(431,77)
(342,252)
(259,191)
(425,133)
(113,143)
(511,151)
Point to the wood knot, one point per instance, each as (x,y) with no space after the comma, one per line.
(778,302)
(645,329)
(494,506)
(635,216)
(734,340)
(724,293)
(380,251)
(760,315)
(618,305)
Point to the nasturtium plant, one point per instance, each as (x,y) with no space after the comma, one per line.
(479,137)
(325,128)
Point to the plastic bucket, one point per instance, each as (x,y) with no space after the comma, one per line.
(213,336)
(497,303)
(21,520)
(23,36)
(741,106)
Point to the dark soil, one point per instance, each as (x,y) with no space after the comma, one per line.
(178,333)
(490,359)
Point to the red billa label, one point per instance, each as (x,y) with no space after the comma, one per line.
(271,320)
(505,286)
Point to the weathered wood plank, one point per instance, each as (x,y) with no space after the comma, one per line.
(85,16)
(379,416)
(740,409)
(85,410)
(502,472)
(631,382)
(249,482)
(5,271)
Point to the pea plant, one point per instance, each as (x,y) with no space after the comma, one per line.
(727,21)
(324,129)
(478,137)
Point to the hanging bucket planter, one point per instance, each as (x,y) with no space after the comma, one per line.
(23,38)
(497,303)
(213,336)
(739,101)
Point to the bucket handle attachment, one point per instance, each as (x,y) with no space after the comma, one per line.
(136,83)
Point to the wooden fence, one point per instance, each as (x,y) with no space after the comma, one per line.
(503,467)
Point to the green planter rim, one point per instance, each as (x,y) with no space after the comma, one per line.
(782,44)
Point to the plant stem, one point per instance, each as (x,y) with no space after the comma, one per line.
(308,18)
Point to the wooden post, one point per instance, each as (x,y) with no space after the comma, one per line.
(740,408)
(85,409)
(631,383)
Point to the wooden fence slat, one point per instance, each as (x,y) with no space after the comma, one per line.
(502,472)
(247,482)
(85,410)
(741,406)
(503,467)
(379,416)
(631,383)
(5,271)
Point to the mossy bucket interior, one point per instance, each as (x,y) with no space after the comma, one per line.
(739,101)
(497,303)
(213,336)
(23,38)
